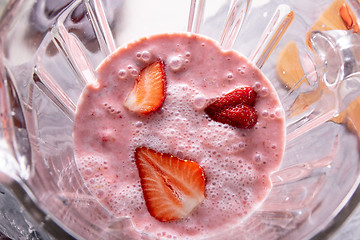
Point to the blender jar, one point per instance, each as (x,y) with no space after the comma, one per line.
(50,50)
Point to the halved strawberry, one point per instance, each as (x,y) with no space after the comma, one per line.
(148,94)
(172,187)
(242,95)
(235,108)
(241,116)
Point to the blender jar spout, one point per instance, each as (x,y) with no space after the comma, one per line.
(337,54)
(332,81)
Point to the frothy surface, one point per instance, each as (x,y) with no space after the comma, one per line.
(236,162)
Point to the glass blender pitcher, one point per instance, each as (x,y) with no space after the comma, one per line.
(50,50)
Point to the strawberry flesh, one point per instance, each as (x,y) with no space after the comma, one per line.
(241,116)
(172,187)
(235,108)
(148,93)
(242,95)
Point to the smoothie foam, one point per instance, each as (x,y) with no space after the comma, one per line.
(236,162)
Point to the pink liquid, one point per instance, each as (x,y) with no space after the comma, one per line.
(236,162)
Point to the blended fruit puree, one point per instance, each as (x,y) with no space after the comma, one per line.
(236,162)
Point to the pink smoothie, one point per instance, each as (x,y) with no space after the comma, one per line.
(236,162)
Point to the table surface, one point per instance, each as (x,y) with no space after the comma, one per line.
(349,230)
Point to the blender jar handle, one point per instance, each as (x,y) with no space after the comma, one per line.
(15,160)
(15,153)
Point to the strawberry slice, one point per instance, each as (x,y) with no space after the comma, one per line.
(148,94)
(235,108)
(172,187)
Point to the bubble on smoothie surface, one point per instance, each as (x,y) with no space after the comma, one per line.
(134,72)
(263,92)
(257,86)
(175,63)
(199,101)
(146,56)
(122,73)
(257,157)
(265,113)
